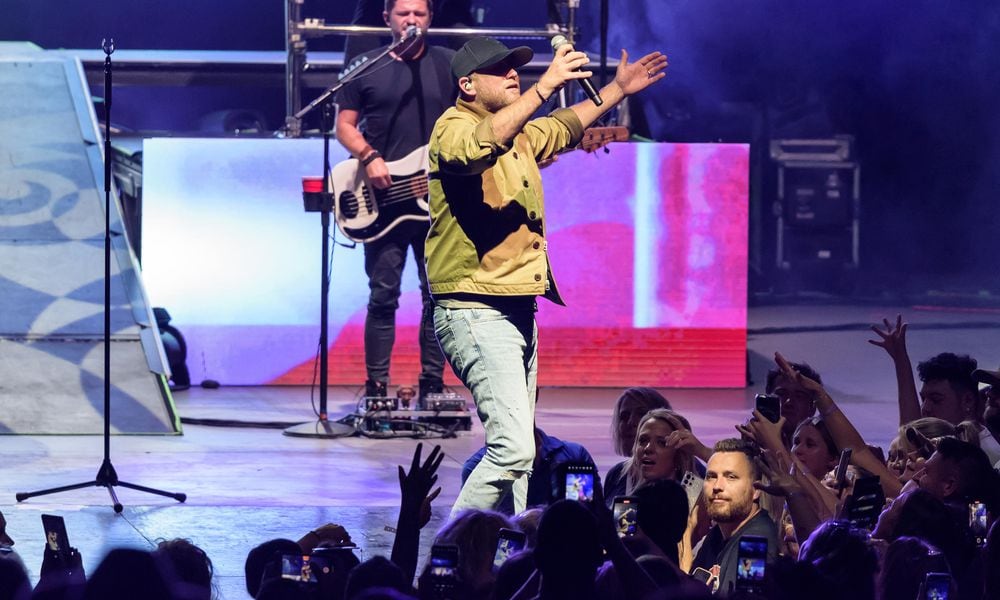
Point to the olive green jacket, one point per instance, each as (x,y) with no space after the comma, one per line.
(487,234)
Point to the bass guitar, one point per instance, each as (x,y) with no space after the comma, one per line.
(365,213)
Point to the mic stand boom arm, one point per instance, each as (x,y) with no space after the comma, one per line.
(349,77)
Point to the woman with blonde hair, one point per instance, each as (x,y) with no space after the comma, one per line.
(630,408)
(664,448)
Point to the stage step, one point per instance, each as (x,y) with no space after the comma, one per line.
(52,266)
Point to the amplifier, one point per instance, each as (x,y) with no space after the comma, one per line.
(818,195)
(446,401)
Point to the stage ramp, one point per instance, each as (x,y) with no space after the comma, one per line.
(52,267)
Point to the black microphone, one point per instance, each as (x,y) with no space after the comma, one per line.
(588,88)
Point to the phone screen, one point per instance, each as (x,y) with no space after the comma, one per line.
(509,542)
(444,561)
(768,405)
(978,521)
(866,502)
(751,562)
(937,586)
(298,567)
(578,482)
(626,512)
(55,534)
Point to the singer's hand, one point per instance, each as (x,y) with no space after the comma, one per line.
(637,76)
(562,69)
(378,174)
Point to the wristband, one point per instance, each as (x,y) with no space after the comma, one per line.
(368,159)
(540,96)
(826,412)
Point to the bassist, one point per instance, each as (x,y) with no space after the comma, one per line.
(384,115)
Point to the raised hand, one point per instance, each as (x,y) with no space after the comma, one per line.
(779,474)
(414,507)
(766,434)
(415,485)
(637,76)
(562,69)
(893,338)
(789,371)
(683,440)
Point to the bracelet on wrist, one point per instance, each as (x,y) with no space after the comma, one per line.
(829,410)
(540,96)
(368,159)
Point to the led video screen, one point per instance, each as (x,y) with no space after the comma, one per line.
(648,244)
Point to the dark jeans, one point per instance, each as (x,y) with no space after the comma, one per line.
(384,261)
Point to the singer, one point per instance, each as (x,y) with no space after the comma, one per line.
(399,100)
(487,256)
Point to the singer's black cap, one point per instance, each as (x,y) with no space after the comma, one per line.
(481,52)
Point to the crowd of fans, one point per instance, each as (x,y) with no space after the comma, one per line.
(797,505)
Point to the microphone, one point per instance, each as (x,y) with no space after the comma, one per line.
(411,32)
(588,87)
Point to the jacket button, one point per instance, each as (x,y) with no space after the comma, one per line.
(538,277)
(532,215)
(525,183)
(536,245)
(515,155)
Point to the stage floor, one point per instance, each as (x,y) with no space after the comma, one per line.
(248,485)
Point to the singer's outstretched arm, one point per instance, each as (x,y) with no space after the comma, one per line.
(630,78)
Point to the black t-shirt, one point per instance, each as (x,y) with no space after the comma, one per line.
(722,553)
(400,100)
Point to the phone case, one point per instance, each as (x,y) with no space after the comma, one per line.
(693,485)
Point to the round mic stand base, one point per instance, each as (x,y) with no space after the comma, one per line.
(320,429)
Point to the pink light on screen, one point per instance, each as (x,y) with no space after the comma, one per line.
(649,248)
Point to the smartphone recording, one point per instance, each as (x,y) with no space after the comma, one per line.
(769,406)
(298,567)
(937,586)
(509,543)
(840,475)
(56,539)
(626,512)
(751,563)
(978,521)
(865,503)
(577,481)
(444,561)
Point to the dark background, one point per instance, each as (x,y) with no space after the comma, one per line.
(916,82)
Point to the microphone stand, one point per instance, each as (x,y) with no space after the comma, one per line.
(323,427)
(106,475)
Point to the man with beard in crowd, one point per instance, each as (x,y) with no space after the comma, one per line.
(733,505)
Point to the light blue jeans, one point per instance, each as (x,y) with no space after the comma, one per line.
(495,354)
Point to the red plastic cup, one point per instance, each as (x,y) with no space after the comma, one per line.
(311,184)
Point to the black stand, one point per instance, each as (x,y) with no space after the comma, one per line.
(106,475)
(324,428)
